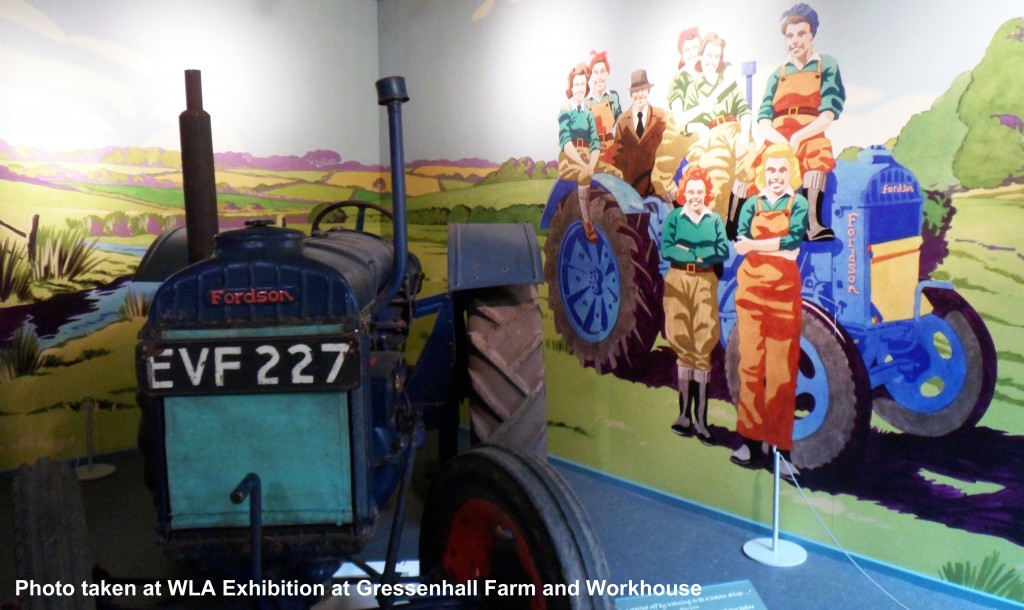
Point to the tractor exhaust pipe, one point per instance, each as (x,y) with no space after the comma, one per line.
(197,172)
(391,93)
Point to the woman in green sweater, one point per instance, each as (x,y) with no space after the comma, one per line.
(693,240)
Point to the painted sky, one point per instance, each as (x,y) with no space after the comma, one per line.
(279,77)
(486,77)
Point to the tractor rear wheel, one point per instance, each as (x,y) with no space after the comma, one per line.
(953,378)
(496,514)
(507,398)
(605,295)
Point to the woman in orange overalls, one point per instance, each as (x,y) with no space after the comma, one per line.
(770,228)
(801,100)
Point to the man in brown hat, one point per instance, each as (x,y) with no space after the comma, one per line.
(638,133)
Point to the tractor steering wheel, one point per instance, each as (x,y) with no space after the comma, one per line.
(360,219)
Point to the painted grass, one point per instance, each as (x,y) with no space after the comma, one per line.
(174,199)
(15,273)
(986,264)
(992,576)
(22,357)
(64,255)
(55,205)
(38,418)
(495,196)
(290,175)
(313,192)
(451,170)
(246,180)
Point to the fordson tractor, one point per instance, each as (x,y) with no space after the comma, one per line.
(875,335)
(280,413)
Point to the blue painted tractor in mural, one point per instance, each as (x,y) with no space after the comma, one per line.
(280,415)
(875,336)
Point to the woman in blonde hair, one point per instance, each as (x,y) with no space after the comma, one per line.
(770,229)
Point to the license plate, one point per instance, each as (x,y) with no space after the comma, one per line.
(252,365)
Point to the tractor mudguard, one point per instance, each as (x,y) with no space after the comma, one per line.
(488,255)
(166,255)
(625,195)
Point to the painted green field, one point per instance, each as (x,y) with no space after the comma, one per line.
(986,264)
(496,196)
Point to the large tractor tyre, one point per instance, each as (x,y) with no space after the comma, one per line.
(954,373)
(606,295)
(501,515)
(507,397)
(51,540)
(833,403)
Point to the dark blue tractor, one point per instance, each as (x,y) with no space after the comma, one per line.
(875,334)
(281,413)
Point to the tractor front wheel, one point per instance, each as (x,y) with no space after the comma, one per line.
(496,514)
(951,374)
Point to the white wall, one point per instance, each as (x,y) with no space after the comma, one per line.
(279,77)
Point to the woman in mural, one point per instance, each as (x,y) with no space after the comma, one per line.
(771,226)
(693,241)
(689,51)
(722,121)
(686,105)
(580,143)
(603,102)
(801,100)
(676,143)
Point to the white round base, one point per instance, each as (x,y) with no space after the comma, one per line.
(90,472)
(786,554)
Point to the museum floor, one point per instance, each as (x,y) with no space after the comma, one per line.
(646,537)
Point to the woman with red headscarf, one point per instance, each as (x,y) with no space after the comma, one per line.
(693,240)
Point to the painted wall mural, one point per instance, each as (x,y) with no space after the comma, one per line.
(906,428)
(900,361)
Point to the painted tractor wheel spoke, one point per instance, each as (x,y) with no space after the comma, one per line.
(933,386)
(590,283)
(605,295)
(812,392)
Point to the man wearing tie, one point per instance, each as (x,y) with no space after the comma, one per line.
(638,134)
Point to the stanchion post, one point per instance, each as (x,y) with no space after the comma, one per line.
(91,470)
(772,551)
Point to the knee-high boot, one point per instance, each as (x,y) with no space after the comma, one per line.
(683,425)
(701,412)
(739,194)
(583,194)
(818,229)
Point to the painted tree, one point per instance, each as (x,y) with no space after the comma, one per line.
(928,143)
(992,108)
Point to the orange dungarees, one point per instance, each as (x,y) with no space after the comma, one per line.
(768,322)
